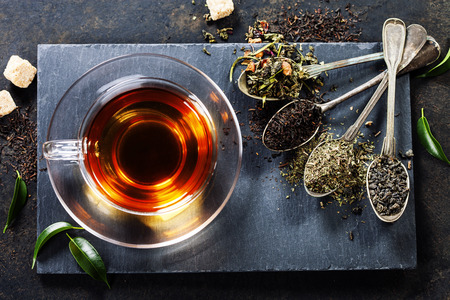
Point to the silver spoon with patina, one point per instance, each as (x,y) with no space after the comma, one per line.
(387,179)
(323,172)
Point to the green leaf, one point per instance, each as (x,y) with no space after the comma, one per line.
(428,140)
(441,68)
(49,232)
(18,201)
(88,258)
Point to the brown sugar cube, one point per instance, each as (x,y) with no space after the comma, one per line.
(7,104)
(19,71)
(220,8)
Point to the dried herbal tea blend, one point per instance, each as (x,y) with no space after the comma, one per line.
(352,187)
(293,125)
(279,74)
(388,185)
(296,165)
(329,165)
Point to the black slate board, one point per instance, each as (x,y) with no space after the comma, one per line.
(266,226)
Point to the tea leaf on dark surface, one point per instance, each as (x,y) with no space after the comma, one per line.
(49,232)
(427,139)
(250,56)
(441,68)
(18,201)
(88,258)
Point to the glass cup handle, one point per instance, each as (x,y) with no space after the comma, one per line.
(62,150)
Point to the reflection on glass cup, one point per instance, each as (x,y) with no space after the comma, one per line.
(143,150)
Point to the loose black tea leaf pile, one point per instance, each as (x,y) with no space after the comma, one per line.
(292,126)
(388,185)
(323,25)
(18,143)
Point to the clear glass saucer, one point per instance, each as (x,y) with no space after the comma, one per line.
(120,227)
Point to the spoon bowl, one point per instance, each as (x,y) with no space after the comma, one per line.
(387,218)
(303,131)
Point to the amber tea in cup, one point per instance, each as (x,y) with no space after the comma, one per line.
(148,147)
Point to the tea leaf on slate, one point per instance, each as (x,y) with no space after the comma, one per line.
(441,68)
(250,56)
(49,232)
(88,258)
(18,201)
(428,140)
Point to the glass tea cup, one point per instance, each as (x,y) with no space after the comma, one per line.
(142,167)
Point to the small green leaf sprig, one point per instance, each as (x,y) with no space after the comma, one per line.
(84,253)
(18,201)
(427,139)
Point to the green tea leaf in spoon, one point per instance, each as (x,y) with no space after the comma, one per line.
(49,232)
(18,201)
(441,68)
(428,140)
(88,258)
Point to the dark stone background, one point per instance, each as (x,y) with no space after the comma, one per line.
(25,24)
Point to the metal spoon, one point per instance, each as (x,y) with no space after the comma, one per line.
(311,71)
(417,35)
(393,39)
(416,56)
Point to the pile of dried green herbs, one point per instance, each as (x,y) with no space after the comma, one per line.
(348,179)
(331,164)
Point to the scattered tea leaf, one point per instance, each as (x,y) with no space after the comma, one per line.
(428,141)
(88,258)
(249,56)
(206,51)
(208,37)
(441,68)
(18,201)
(224,33)
(48,233)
